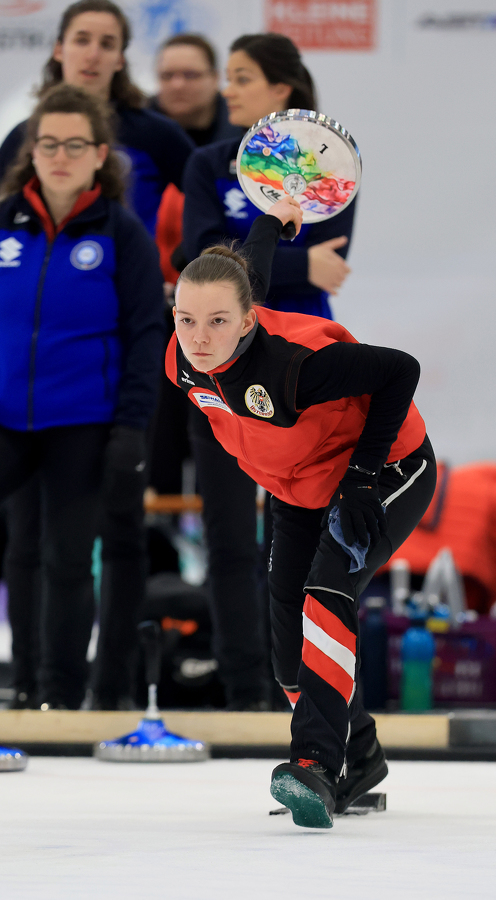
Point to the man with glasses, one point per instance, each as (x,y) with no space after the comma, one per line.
(188,89)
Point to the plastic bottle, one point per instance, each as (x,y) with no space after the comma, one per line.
(373,654)
(444,582)
(417,655)
(399,573)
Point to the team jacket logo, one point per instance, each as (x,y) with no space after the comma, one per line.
(235,201)
(187,378)
(10,250)
(259,402)
(205,399)
(86,255)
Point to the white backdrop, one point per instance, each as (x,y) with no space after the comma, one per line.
(421,107)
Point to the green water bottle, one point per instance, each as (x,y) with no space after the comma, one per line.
(417,656)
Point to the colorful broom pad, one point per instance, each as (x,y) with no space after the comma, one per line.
(269,157)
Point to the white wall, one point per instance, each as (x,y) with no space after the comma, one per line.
(421,108)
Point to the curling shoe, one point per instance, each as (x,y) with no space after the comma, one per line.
(308,790)
(362,775)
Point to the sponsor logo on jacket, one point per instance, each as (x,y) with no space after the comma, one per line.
(10,250)
(259,402)
(205,399)
(235,201)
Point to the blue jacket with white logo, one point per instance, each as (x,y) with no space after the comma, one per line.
(216,208)
(153,148)
(81,318)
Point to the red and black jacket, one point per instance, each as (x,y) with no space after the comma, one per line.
(301,399)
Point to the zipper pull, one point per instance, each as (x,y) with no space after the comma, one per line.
(396,466)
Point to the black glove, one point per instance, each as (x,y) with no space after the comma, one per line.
(360,510)
(124,468)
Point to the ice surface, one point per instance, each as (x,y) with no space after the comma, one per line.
(80,828)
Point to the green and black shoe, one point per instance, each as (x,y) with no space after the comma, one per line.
(308,790)
(362,775)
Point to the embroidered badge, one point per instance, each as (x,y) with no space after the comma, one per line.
(86,255)
(259,402)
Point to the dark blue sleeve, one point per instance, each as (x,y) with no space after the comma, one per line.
(171,149)
(141,301)
(10,147)
(165,142)
(290,266)
(204,224)
(203,219)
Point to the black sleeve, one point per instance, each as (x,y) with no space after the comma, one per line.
(10,147)
(350,370)
(259,248)
(141,301)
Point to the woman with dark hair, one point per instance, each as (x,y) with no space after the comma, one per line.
(327,425)
(89,53)
(81,337)
(265,73)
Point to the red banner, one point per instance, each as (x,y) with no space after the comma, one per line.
(324,24)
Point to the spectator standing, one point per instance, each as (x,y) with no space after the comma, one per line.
(90,53)
(82,338)
(188,92)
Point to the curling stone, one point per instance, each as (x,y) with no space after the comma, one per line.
(12,760)
(151,742)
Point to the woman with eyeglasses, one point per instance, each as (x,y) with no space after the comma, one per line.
(89,53)
(81,345)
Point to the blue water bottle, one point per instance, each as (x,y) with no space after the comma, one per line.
(417,655)
(373,654)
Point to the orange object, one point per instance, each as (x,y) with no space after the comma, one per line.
(169,231)
(186,627)
(461,516)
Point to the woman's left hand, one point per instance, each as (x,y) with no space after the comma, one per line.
(287,210)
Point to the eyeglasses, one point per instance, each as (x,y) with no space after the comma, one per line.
(186,74)
(74,147)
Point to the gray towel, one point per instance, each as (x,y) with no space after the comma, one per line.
(356,552)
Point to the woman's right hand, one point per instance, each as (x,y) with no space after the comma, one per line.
(287,210)
(327,269)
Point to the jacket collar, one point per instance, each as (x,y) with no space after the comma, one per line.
(31,192)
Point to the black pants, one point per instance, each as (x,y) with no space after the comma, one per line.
(230,518)
(124,565)
(121,596)
(68,461)
(321,660)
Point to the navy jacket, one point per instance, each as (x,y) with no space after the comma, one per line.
(81,319)
(216,208)
(154,151)
(220,129)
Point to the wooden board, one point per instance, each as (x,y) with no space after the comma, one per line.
(227,728)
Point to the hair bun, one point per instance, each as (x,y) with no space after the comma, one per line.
(227,253)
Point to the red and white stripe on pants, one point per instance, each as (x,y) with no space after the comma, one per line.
(329,648)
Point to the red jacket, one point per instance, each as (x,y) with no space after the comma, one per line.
(299,456)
